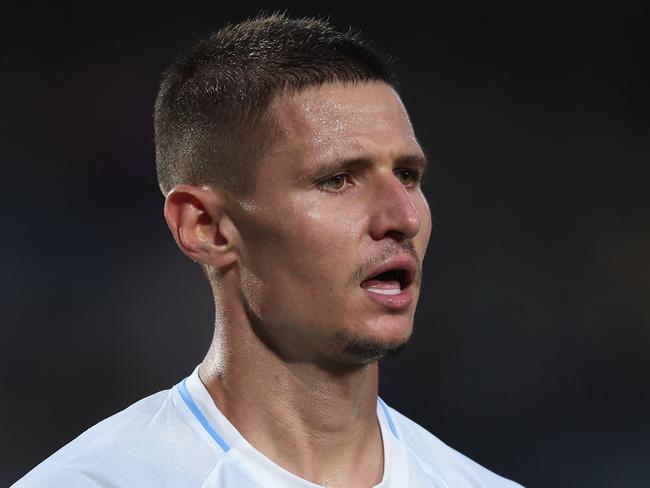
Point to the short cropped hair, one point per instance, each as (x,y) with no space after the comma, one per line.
(211,114)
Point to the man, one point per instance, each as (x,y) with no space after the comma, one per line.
(292,175)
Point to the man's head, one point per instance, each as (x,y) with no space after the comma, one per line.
(320,238)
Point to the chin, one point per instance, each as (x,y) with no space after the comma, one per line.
(370,348)
(368,352)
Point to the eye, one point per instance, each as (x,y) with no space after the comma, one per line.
(335,184)
(408,177)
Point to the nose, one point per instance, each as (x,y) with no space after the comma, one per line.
(393,211)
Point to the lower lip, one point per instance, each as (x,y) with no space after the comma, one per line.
(394,302)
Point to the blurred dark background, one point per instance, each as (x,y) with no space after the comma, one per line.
(532,345)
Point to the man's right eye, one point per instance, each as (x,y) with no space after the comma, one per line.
(335,184)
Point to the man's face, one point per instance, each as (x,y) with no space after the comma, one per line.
(334,235)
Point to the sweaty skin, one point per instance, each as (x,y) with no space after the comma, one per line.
(337,196)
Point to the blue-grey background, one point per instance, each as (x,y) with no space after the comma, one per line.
(532,345)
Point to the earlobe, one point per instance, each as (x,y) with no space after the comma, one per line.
(200,225)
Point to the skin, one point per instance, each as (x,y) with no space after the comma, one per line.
(336,196)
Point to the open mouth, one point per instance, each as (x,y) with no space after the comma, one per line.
(390,282)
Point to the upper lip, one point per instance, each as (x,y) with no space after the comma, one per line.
(406,264)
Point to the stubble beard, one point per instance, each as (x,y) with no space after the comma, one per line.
(361,352)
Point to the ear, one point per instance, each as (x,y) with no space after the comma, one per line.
(201,226)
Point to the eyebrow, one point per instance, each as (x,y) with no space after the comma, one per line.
(419,161)
(416,161)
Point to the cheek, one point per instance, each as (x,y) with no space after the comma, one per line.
(304,242)
(317,249)
(426,224)
(297,263)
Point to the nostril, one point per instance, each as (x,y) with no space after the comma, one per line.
(396,235)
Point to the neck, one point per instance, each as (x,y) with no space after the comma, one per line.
(316,422)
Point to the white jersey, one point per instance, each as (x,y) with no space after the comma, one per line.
(178,437)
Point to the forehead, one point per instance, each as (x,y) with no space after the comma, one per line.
(337,120)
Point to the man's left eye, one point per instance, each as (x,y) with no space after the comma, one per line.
(408,176)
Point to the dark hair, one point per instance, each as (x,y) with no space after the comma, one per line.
(211,114)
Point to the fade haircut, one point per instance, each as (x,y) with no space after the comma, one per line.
(211,115)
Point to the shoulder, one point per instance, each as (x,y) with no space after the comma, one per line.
(439,460)
(152,442)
